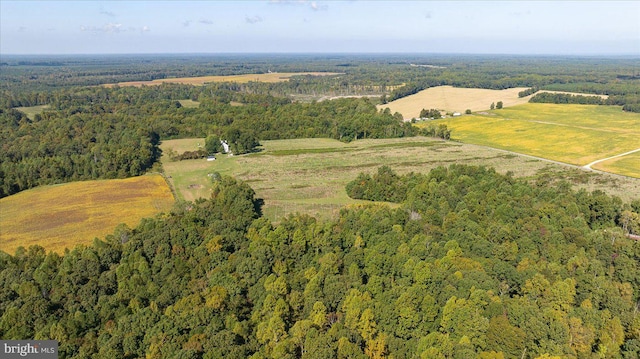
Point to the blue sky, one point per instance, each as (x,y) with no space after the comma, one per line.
(480,27)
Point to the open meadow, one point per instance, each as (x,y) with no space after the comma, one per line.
(309,175)
(201,80)
(573,134)
(62,216)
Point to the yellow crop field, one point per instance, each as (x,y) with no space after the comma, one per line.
(454,99)
(62,216)
(574,134)
(199,81)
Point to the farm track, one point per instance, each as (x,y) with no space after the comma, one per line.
(569,165)
(588,166)
(537,158)
(565,125)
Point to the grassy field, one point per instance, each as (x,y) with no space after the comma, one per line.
(268,77)
(574,134)
(309,175)
(31,111)
(62,216)
(454,99)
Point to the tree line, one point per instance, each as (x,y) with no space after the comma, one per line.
(563,98)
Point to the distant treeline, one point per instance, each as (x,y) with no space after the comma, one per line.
(629,103)
(360,74)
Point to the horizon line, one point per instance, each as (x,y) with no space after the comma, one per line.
(587,54)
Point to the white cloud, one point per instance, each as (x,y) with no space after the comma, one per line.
(186,23)
(520,13)
(107,28)
(287,2)
(111,27)
(317,7)
(145,29)
(253,19)
(107,13)
(206,21)
(312,4)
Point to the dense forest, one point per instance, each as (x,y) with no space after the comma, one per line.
(472,264)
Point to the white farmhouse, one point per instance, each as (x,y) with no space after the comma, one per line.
(225,146)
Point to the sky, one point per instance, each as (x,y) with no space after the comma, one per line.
(298,26)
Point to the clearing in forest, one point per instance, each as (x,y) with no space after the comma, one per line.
(189,103)
(62,216)
(31,111)
(574,134)
(201,80)
(309,175)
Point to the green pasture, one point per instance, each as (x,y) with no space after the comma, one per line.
(574,134)
(309,175)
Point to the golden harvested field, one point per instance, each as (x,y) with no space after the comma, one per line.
(269,77)
(454,99)
(62,216)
